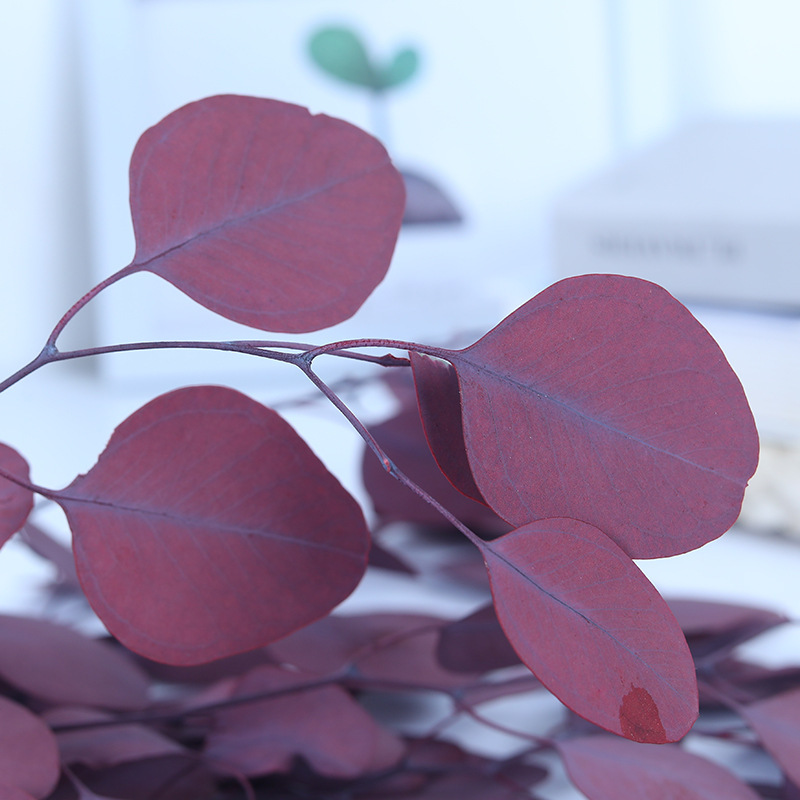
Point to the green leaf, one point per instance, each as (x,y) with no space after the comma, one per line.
(402,68)
(341,53)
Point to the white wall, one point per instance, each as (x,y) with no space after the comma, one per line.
(518,99)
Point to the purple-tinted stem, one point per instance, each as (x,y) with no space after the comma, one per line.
(723,697)
(45,357)
(64,321)
(347,675)
(264,349)
(373,445)
(393,344)
(469,709)
(31,487)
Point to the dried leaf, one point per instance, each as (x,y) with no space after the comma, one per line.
(603,399)
(607,768)
(776,720)
(476,643)
(105,745)
(186,528)
(403,439)
(28,751)
(589,625)
(325,726)
(16,502)
(54,663)
(263,213)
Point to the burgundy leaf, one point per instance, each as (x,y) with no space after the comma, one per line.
(59,555)
(28,751)
(589,625)
(209,672)
(12,793)
(604,400)
(57,664)
(333,642)
(403,439)
(16,502)
(83,791)
(757,681)
(711,618)
(411,661)
(713,629)
(440,408)
(777,723)
(486,691)
(325,726)
(105,745)
(607,768)
(381,558)
(436,769)
(173,777)
(186,528)
(476,643)
(264,213)
(460,787)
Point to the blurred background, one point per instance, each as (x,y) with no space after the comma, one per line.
(658,138)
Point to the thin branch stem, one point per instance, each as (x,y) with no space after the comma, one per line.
(264,349)
(45,357)
(76,307)
(31,487)
(392,344)
(387,462)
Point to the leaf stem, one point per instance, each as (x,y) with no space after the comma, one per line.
(44,357)
(392,344)
(263,349)
(31,487)
(76,307)
(380,453)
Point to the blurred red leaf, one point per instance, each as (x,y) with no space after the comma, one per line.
(476,643)
(411,661)
(58,554)
(459,787)
(607,768)
(713,618)
(604,400)
(403,439)
(12,793)
(176,777)
(591,627)
(105,745)
(713,629)
(333,642)
(776,720)
(54,663)
(325,726)
(186,528)
(264,213)
(16,502)
(28,751)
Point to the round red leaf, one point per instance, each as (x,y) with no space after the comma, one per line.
(264,213)
(208,527)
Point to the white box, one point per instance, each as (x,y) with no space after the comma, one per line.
(711,213)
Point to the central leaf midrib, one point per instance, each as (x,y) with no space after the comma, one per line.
(590,419)
(262,211)
(197,522)
(583,616)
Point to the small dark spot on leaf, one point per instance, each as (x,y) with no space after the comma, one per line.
(639,717)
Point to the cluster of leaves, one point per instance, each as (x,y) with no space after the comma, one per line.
(600,422)
(312,716)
